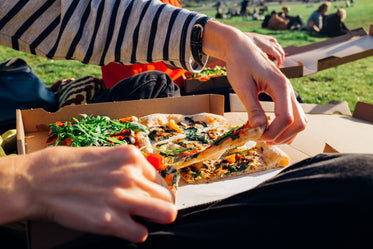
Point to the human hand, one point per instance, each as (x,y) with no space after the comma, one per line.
(98,190)
(250,71)
(268,45)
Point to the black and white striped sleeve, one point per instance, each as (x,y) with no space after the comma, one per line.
(99,32)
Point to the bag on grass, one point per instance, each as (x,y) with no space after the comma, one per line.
(21,88)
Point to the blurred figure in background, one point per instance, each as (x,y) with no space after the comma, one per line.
(255,15)
(295,20)
(244,12)
(278,22)
(334,25)
(220,14)
(315,21)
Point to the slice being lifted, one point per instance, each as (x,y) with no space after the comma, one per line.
(235,137)
(175,135)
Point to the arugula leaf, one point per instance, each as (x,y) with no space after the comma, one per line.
(92,131)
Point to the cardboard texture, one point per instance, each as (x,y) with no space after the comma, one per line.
(306,60)
(309,59)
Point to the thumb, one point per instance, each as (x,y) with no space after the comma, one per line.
(256,115)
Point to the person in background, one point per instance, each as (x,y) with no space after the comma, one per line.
(296,21)
(244,11)
(255,15)
(334,25)
(220,14)
(315,21)
(278,22)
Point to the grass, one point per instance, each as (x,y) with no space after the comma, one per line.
(351,82)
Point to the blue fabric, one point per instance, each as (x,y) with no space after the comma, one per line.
(20,88)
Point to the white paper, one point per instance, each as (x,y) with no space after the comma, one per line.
(189,195)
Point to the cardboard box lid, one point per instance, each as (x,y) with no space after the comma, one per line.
(309,59)
(350,134)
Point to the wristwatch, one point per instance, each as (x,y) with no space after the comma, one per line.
(196,39)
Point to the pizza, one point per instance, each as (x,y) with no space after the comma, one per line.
(175,135)
(196,148)
(104,131)
(236,136)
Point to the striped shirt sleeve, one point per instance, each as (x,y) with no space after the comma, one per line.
(99,32)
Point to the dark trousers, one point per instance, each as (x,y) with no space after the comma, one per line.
(322,202)
(147,85)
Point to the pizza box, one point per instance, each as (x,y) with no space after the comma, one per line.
(32,130)
(304,60)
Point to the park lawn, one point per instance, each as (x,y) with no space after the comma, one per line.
(351,82)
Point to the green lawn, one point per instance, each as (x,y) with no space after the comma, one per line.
(351,82)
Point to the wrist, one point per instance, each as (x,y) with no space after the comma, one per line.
(218,38)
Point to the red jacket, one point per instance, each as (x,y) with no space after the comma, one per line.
(115,72)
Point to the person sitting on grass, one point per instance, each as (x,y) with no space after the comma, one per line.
(316,19)
(334,25)
(277,22)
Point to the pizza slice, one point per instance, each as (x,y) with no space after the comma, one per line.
(235,137)
(173,135)
(236,161)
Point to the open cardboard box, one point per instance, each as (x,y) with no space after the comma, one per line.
(32,129)
(306,60)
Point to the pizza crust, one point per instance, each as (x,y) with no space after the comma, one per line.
(162,119)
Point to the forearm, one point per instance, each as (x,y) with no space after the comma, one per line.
(217,38)
(13,201)
(99,32)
